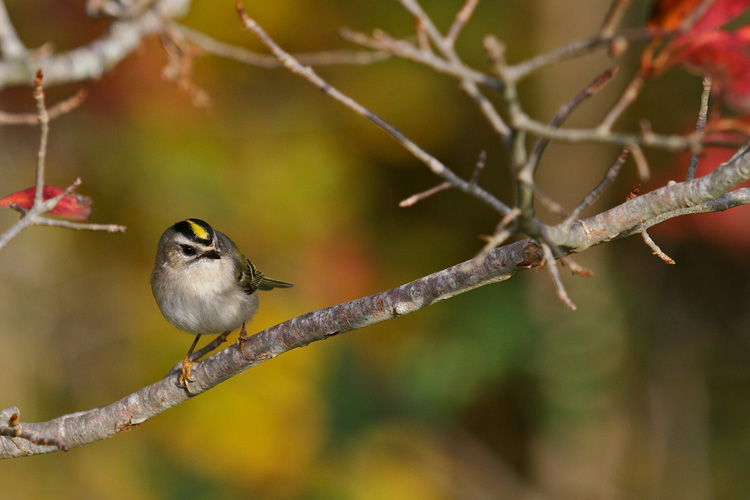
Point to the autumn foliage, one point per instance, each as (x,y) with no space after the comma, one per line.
(72,206)
(701,44)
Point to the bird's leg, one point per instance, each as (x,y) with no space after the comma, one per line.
(241,340)
(214,344)
(222,337)
(186,364)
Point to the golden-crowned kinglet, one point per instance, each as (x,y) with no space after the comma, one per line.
(204,284)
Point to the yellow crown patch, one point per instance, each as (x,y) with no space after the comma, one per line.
(198,230)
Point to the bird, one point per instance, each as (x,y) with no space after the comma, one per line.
(203,284)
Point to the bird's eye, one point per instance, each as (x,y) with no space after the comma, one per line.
(187,250)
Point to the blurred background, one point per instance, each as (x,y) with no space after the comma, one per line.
(498,393)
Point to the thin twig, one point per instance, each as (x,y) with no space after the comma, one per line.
(40,206)
(554,273)
(703,194)
(243,55)
(599,189)
(613,18)
(629,95)
(59,109)
(44,134)
(547,202)
(574,49)
(405,50)
(498,238)
(181,57)
(415,198)
(445,46)
(478,168)
(80,226)
(462,18)
(437,167)
(503,231)
(565,110)
(641,164)
(423,39)
(655,248)
(700,126)
(11,427)
(575,267)
(695,14)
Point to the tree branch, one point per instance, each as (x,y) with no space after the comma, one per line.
(78,429)
(40,206)
(85,427)
(93,60)
(437,167)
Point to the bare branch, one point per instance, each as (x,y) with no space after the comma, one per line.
(80,226)
(93,60)
(479,168)
(408,51)
(549,260)
(11,428)
(59,109)
(85,427)
(40,206)
(599,189)
(700,126)
(551,205)
(628,97)
(416,198)
(655,248)
(565,111)
(462,18)
(243,55)
(641,164)
(705,194)
(666,142)
(445,45)
(179,69)
(614,17)
(10,44)
(574,267)
(43,118)
(505,229)
(510,75)
(574,49)
(306,72)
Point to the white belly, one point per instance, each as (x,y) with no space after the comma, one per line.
(201,305)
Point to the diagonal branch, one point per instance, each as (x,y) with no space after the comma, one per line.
(705,194)
(81,428)
(85,427)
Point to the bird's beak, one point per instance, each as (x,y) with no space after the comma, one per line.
(211,254)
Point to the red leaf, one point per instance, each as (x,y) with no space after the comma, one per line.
(725,230)
(725,55)
(669,15)
(71,207)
